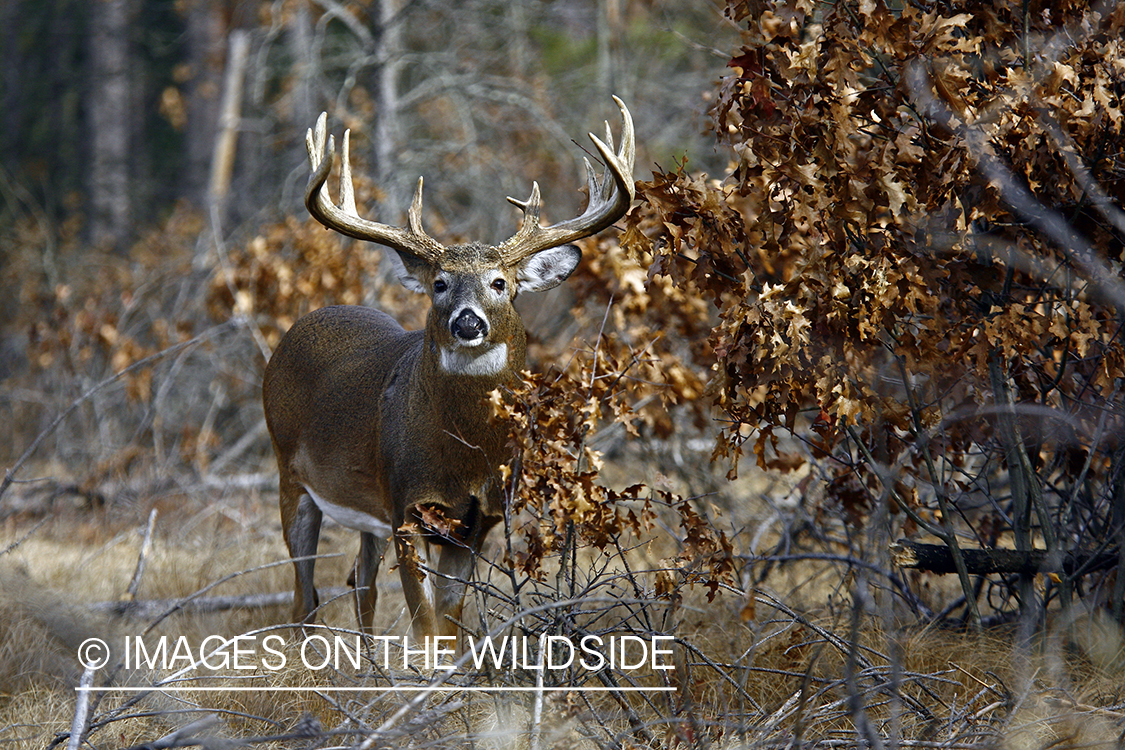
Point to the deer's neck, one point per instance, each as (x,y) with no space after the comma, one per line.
(491,363)
(459,403)
(458,378)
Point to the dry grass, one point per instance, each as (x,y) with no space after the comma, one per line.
(763,681)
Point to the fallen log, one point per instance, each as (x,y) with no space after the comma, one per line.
(936,558)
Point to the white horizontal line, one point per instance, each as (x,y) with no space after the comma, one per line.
(391,689)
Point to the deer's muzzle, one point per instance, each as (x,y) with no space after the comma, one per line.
(469,327)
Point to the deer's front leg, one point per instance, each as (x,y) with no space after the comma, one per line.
(417,588)
(455,565)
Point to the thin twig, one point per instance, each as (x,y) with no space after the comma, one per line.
(25,537)
(10,474)
(81,710)
(142,557)
(537,713)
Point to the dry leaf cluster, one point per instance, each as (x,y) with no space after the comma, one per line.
(921,230)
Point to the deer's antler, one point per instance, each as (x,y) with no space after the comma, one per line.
(345,218)
(610,198)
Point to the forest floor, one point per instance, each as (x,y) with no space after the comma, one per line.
(779,657)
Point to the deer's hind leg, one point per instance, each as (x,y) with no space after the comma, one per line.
(371,548)
(300,523)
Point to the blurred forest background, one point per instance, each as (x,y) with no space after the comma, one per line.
(862,326)
(119,109)
(130,125)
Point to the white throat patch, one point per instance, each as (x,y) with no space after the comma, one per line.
(465,361)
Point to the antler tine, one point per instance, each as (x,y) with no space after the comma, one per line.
(608,134)
(609,199)
(532,203)
(347,187)
(594,185)
(344,218)
(414,215)
(530,208)
(314,145)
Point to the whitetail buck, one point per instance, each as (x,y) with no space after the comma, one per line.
(373,425)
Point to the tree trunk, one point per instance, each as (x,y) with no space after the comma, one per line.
(607,17)
(1118,520)
(108,106)
(520,54)
(222,163)
(1022,479)
(299,40)
(386,124)
(306,105)
(206,39)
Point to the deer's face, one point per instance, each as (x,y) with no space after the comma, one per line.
(472,323)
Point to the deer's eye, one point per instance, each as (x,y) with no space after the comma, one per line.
(440,286)
(499,285)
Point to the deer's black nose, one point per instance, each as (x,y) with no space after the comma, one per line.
(468,326)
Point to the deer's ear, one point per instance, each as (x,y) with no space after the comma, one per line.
(548,268)
(409,270)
